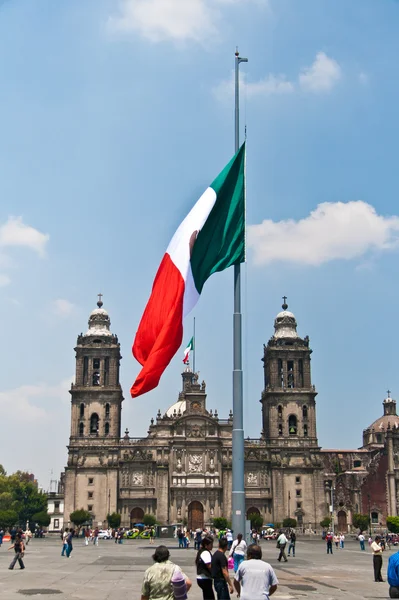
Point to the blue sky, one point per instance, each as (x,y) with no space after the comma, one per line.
(115,115)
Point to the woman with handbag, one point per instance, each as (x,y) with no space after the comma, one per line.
(238,551)
(164,580)
(203,564)
(19,549)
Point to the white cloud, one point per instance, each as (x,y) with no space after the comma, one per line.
(332,231)
(15,233)
(321,76)
(28,403)
(268,86)
(4,280)
(63,308)
(363,78)
(178,20)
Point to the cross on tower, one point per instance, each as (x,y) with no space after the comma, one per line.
(100,302)
(389,393)
(285,305)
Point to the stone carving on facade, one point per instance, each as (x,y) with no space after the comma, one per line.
(137,478)
(195,431)
(252,478)
(212,462)
(195,463)
(138,454)
(179,465)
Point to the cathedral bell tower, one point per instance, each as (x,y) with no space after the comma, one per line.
(96,393)
(288,399)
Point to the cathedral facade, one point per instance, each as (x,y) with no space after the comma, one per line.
(181,472)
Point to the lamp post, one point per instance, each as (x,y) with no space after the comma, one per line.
(369,507)
(331,489)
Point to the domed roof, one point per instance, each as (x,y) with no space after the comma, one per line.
(99,321)
(285,323)
(381,424)
(180,405)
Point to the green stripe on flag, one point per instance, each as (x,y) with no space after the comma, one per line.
(221,242)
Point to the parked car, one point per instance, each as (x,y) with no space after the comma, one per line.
(103,534)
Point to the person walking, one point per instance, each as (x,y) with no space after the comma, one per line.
(292,543)
(87,535)
(329,540)
(393,575)
(64,541)
(69,543)
(220,572)
(203,562)
(376,549)
(163,579)
(237,551)
(281,544)
(255,578)
(229,538)
(152,535)
(361,539)
(336,540)
(95,536)
(1,536)
(180,537)
(342,541)
(19,550)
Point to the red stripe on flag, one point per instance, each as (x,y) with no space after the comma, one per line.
(160,332)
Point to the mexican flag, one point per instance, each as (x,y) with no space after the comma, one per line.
(211,238)
(190,348)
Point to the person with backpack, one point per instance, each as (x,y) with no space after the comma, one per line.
(329,540)
(19,550)
(164,580)
(203,562)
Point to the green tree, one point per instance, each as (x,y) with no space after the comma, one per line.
(114,520)
(41,518)
(256,520)
(393,524)
(326,522)
(220,522)
(79,517)
(8,518)
(289,522)
(149,520)
(360,521)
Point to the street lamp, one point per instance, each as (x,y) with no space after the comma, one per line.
(331,489)
(369,507)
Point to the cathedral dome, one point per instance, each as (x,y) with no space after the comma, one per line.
(285,323)
(179,406)
(99,321)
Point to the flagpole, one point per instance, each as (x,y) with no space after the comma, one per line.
(194,345)
(238,487)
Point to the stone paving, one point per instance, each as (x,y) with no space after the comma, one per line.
(116,571)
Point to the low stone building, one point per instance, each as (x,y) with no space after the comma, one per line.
(181,470)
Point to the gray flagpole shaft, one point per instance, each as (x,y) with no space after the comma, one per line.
(238,487)
(194,348)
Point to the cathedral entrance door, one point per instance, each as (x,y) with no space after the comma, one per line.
(136,516)
(252,511)
(342,521)
(195,515)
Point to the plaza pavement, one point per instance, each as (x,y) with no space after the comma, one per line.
(116,571)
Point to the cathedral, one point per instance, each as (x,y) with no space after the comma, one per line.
(181,472)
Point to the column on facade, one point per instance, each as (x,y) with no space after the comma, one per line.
(391,476)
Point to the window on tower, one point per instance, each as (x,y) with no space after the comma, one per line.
(305,430)
(280,429)
(96,378)
(81,429)
(300,373)
(85,370)
(280,372)
(280,411)
(82,410)
(106,371)
(107,409)
(292,425)
(94,424)
(96,363)
(290,374)
(106,428)
(305,411)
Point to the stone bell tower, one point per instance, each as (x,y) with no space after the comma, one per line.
(96,405)
(288,399)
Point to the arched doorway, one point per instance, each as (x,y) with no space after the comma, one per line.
(136,516)
(252,511)
(195,515)
(342,521)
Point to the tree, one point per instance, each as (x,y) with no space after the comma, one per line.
(393,524)
(360,521)
(256,520)
(220,522)
(149,520)
(114,520)
(78,517)
(326,522)
(8,518)
(41,518)
(289,523)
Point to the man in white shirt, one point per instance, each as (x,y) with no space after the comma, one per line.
(281,544)
(255,579)
(377,550)
(361,539)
